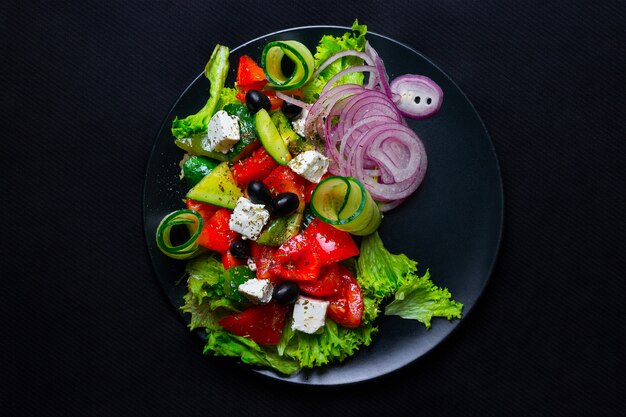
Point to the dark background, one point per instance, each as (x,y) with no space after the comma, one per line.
(88,331)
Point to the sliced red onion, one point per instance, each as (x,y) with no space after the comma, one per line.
(365,105)
(363,130)
(292,100)
(365,57)
(413,174)
(383,79)
(416,96)
(343,73)
(325,100)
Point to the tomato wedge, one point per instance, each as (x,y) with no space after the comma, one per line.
(263,257)
(335,245)
(262,324)
(328,283)
(206,210)
(284,180)
(256,167)
(249,74)
(346,307)
(216,234)
(297,259)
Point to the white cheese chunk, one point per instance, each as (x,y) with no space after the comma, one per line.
(310,165)
(258,291)
(248,219)
(222,133)
(298,122)
(309,314)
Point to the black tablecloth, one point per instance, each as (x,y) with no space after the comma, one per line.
(88,331)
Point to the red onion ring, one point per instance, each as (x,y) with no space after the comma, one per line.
(365,57)
(416,96)
(293,100)
(380,68)
(343,73)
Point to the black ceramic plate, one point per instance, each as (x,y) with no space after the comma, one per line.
(451,225)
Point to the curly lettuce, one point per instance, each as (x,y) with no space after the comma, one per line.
(216,71)
(419,299)
(382,274)
(330,45)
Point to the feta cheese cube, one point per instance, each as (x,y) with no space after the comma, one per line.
(298,122)
(258,291)
(310,165)
(222,133)
(248,219)
(309,314)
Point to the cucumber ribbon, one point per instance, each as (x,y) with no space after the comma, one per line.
(345,203)
(189,218)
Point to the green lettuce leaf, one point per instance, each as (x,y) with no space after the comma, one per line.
(203,315)
(380,273)
(216,71)
(206,277)
(334,343)
(228,96)
(419,299)
(222,343)
(330,45)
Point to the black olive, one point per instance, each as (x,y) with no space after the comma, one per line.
(256,100)
(285,203)
(286,293)
(258,193)
(239,249)
(291,110)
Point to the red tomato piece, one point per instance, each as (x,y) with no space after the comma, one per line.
(249,73)
(297,259)
(284,180)
(216,234)
(206,210)
(263,257)
(328,283)
(228,260)
(334,244)
(346,307)
(256,167)
(262,324)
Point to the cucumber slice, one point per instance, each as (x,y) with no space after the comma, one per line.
(197,167)
(218,187)
(344,203)
(271,60)
(270,138)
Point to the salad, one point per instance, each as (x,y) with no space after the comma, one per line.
(289,172)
